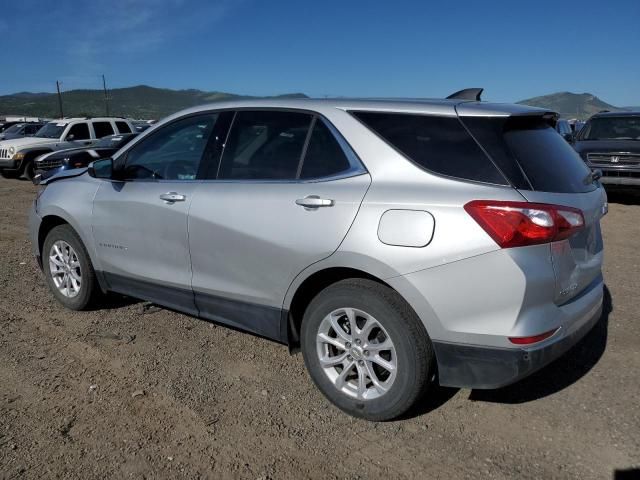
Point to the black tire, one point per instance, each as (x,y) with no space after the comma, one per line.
(413,348)
(9,173)
(27,169)
(89,290)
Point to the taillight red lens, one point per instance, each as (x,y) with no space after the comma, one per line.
(532,339)
(517,224)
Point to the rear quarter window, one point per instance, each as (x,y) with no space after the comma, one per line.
(438,144)
(532,154)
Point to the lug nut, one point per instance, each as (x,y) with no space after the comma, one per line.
(349,357)
(358,342)
(366,353)
(348,345)
(360,362)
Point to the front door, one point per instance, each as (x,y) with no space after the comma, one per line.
(283,197)
(140,221)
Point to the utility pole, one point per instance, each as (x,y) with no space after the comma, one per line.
(106,97)
(59,98)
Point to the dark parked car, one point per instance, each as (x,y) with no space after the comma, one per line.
(611,142)
(5,125)
(20,130)
(564,129)
(52,163)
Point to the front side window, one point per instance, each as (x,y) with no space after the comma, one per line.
(31,129)
(436,143)
(173,152)
(103,129)
(265,145)
(80,131)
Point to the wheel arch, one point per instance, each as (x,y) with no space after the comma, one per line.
(52,220)
(307,289)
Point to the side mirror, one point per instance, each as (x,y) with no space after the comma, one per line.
(102,168)
(70,137)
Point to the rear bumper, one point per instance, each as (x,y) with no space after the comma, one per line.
(472,366)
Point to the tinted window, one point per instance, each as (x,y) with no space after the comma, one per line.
(173,152)
(80,131)
(264,145)
(436,143)
(102,129)
(548,161)
(31,129)
(531,153)
(123,127)
(324,156)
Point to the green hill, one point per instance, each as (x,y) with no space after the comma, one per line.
(571,105)
(135,102)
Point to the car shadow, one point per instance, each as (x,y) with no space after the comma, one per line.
(561,373)
(114,300)
(624,196)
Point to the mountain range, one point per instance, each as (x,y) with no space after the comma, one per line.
(153,103)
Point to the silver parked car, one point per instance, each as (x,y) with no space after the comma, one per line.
(396,243)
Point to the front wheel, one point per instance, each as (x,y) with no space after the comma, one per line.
(68,269)
(366,350)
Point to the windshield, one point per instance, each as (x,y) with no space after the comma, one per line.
(612,128)
(14,128)
(51,130)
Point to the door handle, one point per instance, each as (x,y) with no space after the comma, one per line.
(171,197)
(314,201)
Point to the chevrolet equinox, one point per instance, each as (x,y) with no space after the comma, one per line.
(396,243)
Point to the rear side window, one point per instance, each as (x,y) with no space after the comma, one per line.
(123,127)
(324,156)
(265,145)
(102,129)
(438,144)
(532,154)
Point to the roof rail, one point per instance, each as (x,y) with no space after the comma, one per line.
(467,94)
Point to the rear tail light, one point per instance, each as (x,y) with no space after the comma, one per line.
(532,339)
(518,224)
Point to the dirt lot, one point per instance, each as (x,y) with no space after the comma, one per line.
(218,403)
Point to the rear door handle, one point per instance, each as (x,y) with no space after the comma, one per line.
(171,197)
(314,201)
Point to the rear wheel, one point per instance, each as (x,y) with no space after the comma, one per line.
(68,269)
(366,350)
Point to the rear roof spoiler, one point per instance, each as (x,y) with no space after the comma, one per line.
(467,94)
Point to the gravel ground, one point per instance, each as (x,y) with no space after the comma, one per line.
(127,391)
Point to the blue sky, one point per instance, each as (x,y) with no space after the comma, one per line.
(515,49)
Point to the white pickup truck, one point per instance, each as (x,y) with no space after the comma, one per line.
(17,156)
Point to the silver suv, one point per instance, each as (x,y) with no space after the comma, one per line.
(396,243)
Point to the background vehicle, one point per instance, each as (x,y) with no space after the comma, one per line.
(52,163)
(20,130)
(564,129)
(17,156)
(611,142)
(362,232)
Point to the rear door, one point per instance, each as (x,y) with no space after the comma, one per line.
(284,195)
